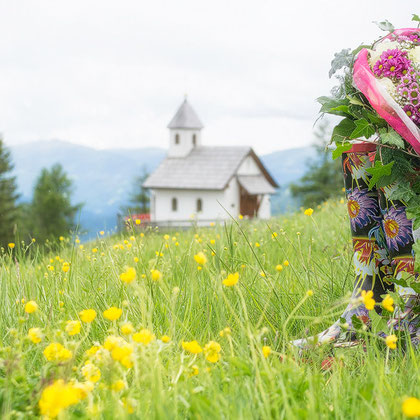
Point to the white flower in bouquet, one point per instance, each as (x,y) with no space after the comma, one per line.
(379,49)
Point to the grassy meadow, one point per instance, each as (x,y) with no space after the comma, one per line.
(186,343)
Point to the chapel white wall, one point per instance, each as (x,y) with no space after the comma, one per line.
(185,141)
(187,205)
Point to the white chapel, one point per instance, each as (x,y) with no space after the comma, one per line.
(206,183)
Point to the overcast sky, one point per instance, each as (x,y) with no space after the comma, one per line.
(112,73)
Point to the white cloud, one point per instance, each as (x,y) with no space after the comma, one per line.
(105,73)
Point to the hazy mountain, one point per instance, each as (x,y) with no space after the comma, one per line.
(103,179)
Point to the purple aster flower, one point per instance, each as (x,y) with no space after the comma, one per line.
(393,63)
(410,110)
(361,208)
(378,68)
(414,38)
(407,79)
(398,229)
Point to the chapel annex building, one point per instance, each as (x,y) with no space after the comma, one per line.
(206,183)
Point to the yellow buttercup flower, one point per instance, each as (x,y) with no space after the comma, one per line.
(31,307)
(156,275)
(266,351)
(368,300)
(11,245)
(231,279)
(165,339)
(388,303)
(57,352)
(286,263)
(65,267)
(194,370)
(35,335)
(127,328)
(128,276)
(87,315)
(411,407)
(118,385)
(225,332)
(200,258)
(212,351)
(279,267)
(192,347)
(308,212)
(73,327)
(138,221)
(91,372)
(144,336)
(391,341)
(112,313)
(58,396)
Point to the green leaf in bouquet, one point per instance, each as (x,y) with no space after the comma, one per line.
(342,130)
(402,193)
(413,212)
(416,249)
(341,59)
(355,101)
(378,171)
(391,137)
(415,18)
(340,149)
(385,26)
(375,119)
(333,106)
(363,129)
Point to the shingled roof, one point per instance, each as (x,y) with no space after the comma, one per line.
(204,168)
(185,117)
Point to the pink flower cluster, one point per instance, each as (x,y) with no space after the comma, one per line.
(409,90)
(392,63)
(415,38)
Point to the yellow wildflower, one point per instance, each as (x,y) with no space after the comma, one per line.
(102,233)
(285,263)
(57,397)
(35,335)
(72,327)
(91,372)
(200,258)
(192,347)
(112,341)
(411,407)
(87,315)
(118,385)
(127,328)
(279,267)
(388,303)
(212,351)
(144,336)
(231,279)
(194,370)
(225,332)
(112,313)
(138,221)
(240,217)
(266,351)
(309,293)
(165,339)
(128,276)
(274,235)
(57,352)
(156,275)
(308,212)
(391,341)
(31,307)
(66,267)
(368,300)
(11,245)
(93,350)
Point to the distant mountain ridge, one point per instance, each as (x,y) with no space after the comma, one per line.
(103,179)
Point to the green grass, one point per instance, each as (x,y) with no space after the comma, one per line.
(260,310)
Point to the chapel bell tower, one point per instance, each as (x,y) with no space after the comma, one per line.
(184,131)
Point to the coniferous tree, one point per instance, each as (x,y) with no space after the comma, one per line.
(323,179)
(139,198)
(53,215)
(8,197)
